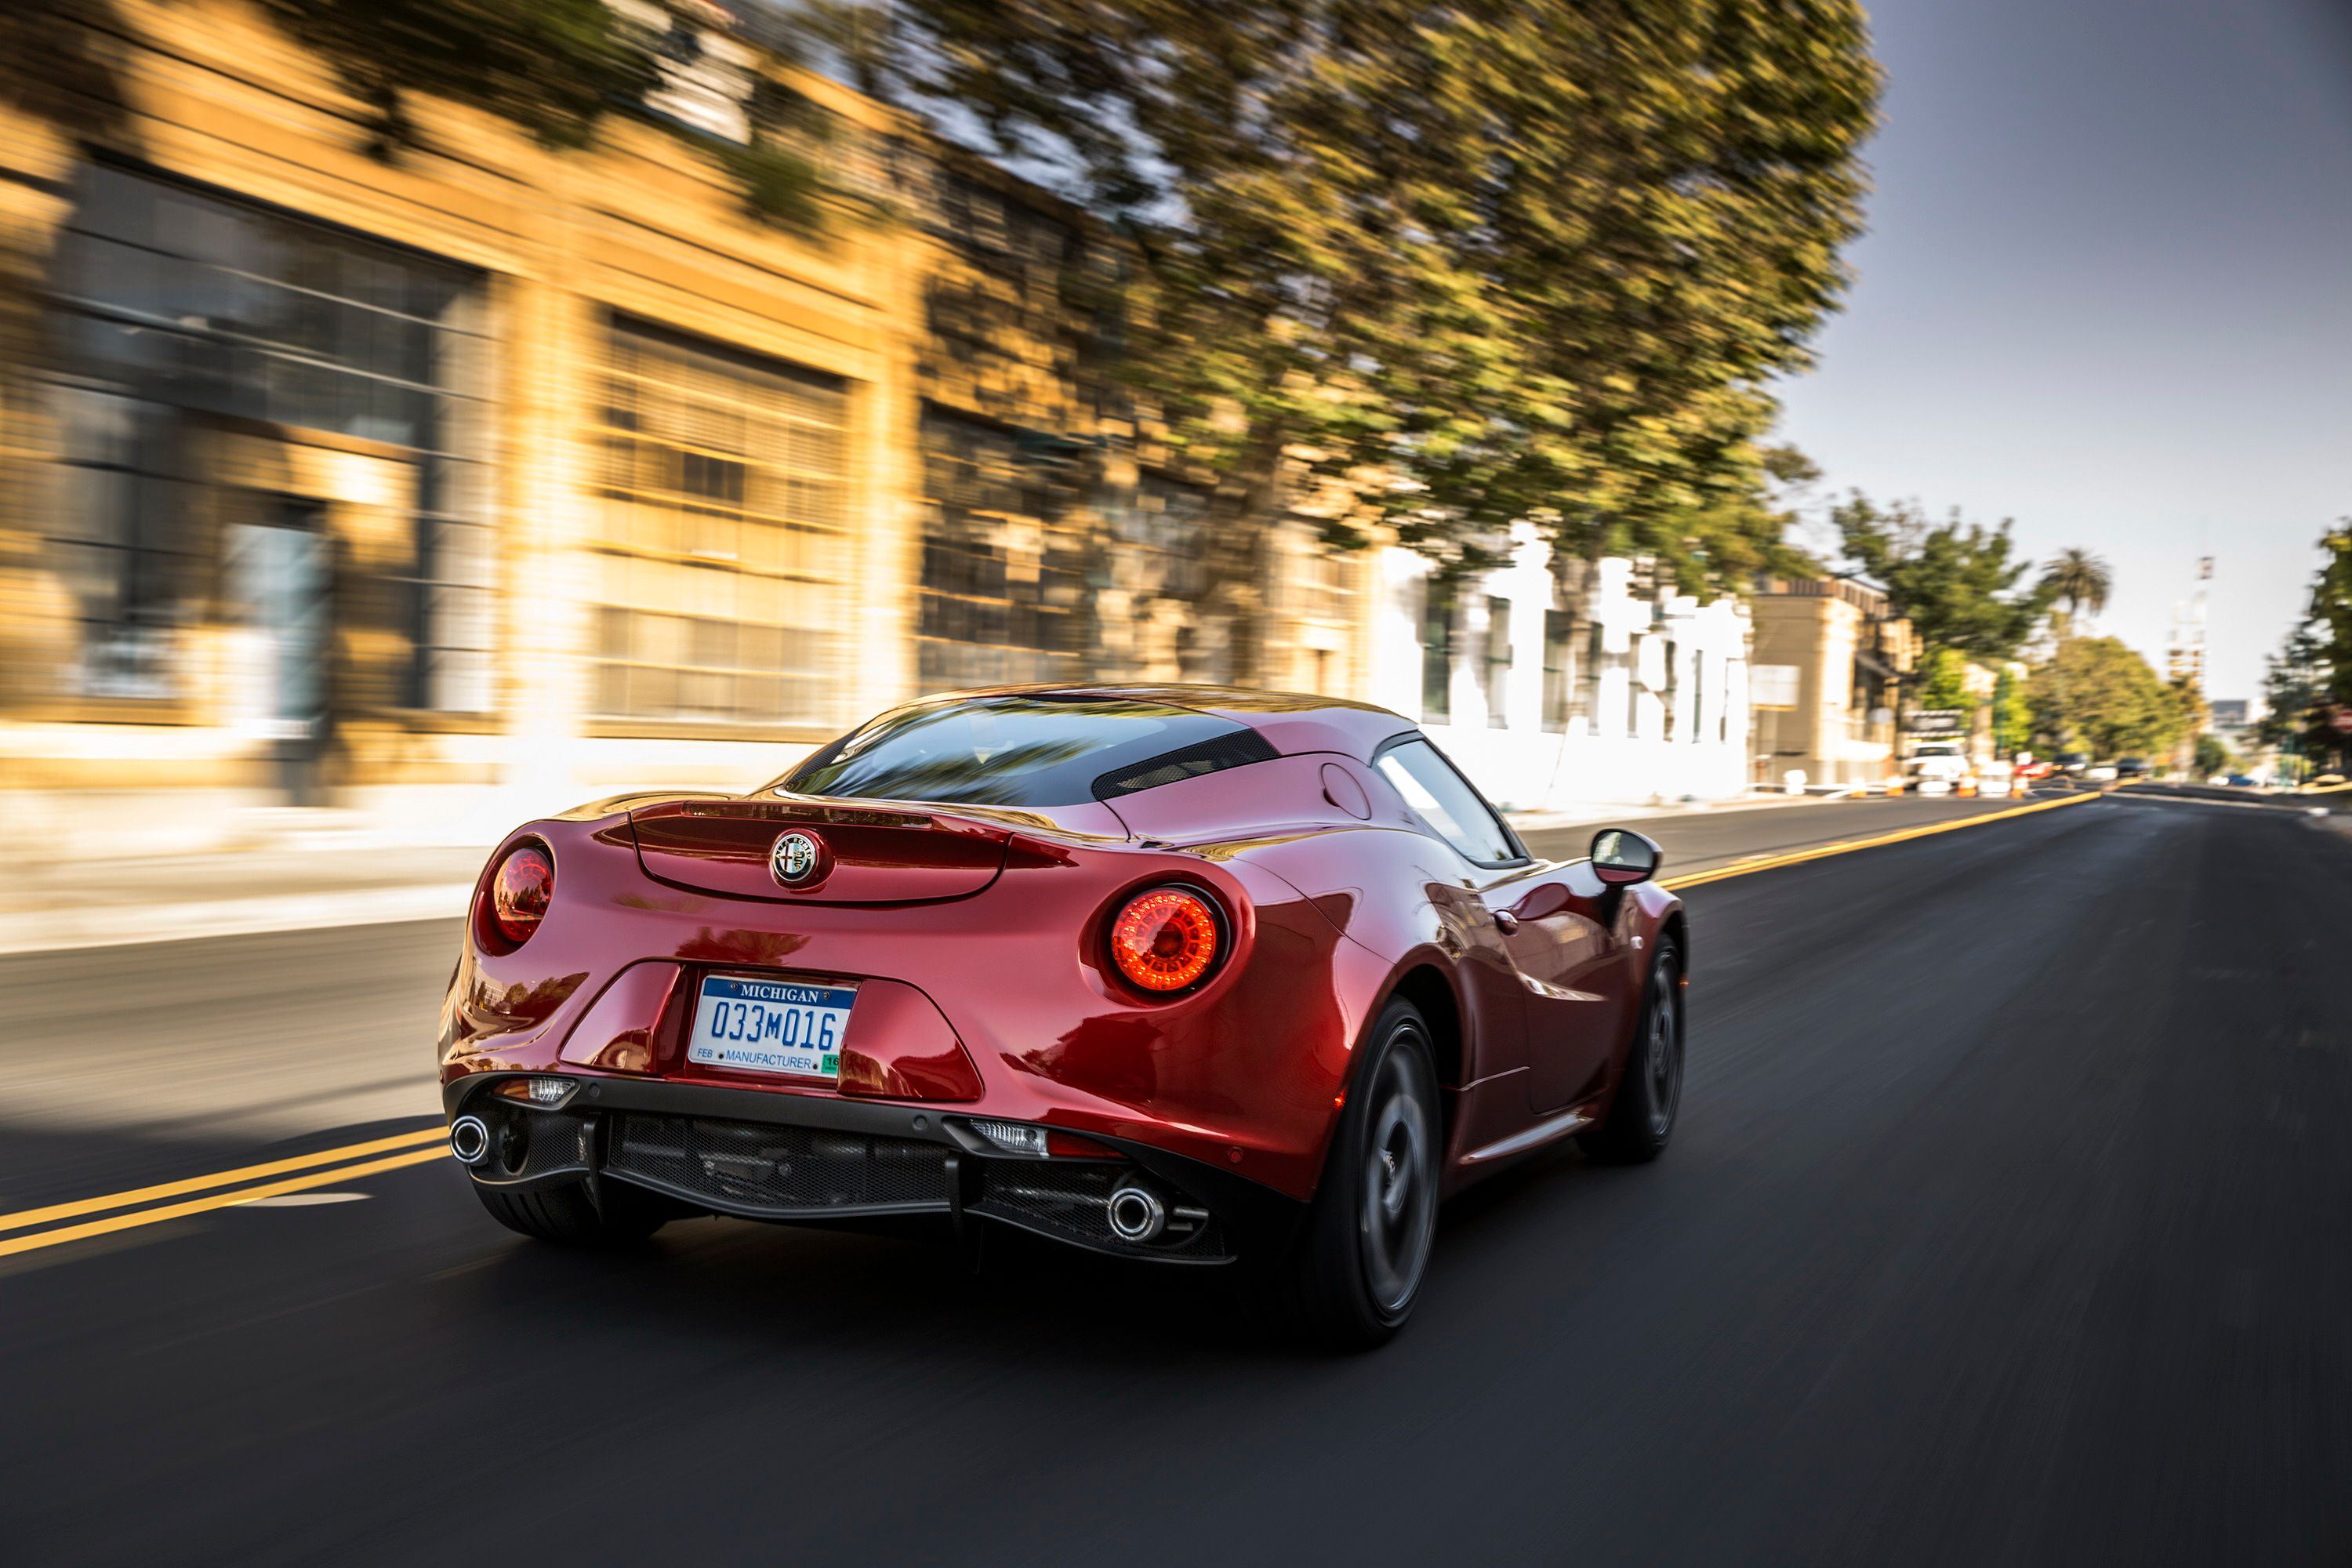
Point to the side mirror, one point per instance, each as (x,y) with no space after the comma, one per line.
(1621,857)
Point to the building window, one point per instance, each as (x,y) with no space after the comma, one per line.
(1437,603)
(724,545)
(1004,578)
(183,315)
(1559,670)
(1498,663)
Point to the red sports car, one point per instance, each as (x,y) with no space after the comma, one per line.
(1188,975)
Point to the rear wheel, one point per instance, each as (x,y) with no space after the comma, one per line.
(566,1214)
(1642,1122)
(1353,1276)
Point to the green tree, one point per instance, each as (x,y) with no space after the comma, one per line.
(2211,757)
(2295,694)
(1954,581)
(2012,715)
(555,69)
(2079,580)
(1943,680)
(1463,265)
(2100,695)
(2331,612)
(2309,680)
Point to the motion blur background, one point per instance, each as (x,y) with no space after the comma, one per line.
(420,416)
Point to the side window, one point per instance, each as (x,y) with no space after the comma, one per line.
(1444,801)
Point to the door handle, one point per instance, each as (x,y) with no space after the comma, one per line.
(1505,921)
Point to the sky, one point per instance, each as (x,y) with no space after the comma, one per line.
(2107,291)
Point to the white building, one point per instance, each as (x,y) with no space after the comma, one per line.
(1561,688)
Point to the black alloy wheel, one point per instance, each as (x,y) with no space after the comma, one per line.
(1357,1269)
(1642,1122)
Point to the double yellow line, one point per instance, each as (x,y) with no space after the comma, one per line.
(1848,846)
(226,1189)
(432,1139)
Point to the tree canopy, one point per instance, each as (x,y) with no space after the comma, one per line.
(1942,678)
(2309,680)
(556,68)
(2212,755)
(2100,694)
(1466,265)
(2012,715)
(2079,580)
(1956,582)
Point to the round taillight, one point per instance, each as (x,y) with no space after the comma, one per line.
(1164,939)
(520,889)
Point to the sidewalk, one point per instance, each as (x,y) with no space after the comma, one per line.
(56,905)
(319,874)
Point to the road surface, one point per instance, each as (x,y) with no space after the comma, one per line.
(2005,1224)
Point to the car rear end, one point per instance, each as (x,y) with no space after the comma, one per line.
(831,1010)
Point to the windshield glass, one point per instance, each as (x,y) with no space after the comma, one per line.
(1021,750)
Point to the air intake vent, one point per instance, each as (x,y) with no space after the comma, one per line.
(1210,757)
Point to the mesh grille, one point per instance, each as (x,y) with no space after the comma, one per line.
(527,1144)
(1071,1199)
(750,1166)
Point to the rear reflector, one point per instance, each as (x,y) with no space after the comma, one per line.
(1070,1146)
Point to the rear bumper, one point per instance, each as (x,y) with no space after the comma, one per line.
(807,1159)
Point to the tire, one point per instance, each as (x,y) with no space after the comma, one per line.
(1642,1122)
(568,1215)
(1356,1268)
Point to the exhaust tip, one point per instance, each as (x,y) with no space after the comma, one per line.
(470,1140)
(1136,1214)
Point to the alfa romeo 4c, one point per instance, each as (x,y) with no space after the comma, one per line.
(1189,975)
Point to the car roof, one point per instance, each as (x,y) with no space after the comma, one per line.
(1292,721)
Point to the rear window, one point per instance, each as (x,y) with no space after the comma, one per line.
(1025,751)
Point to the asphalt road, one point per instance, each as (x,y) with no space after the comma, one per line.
(2005,1225)
(1709,841)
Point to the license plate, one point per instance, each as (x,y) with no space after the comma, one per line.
(771,1026)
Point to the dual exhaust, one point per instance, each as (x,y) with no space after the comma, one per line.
(470,1140)
(1136,1214)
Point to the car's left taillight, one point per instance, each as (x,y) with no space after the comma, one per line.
(517,898)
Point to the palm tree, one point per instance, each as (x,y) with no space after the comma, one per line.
(2081,579)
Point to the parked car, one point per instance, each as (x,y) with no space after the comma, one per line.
(2239,781)
(1180,974)
(2131,767)
(2073,763)
(2100,773)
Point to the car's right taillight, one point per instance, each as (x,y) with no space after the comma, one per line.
(516,899)
(1165,940)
